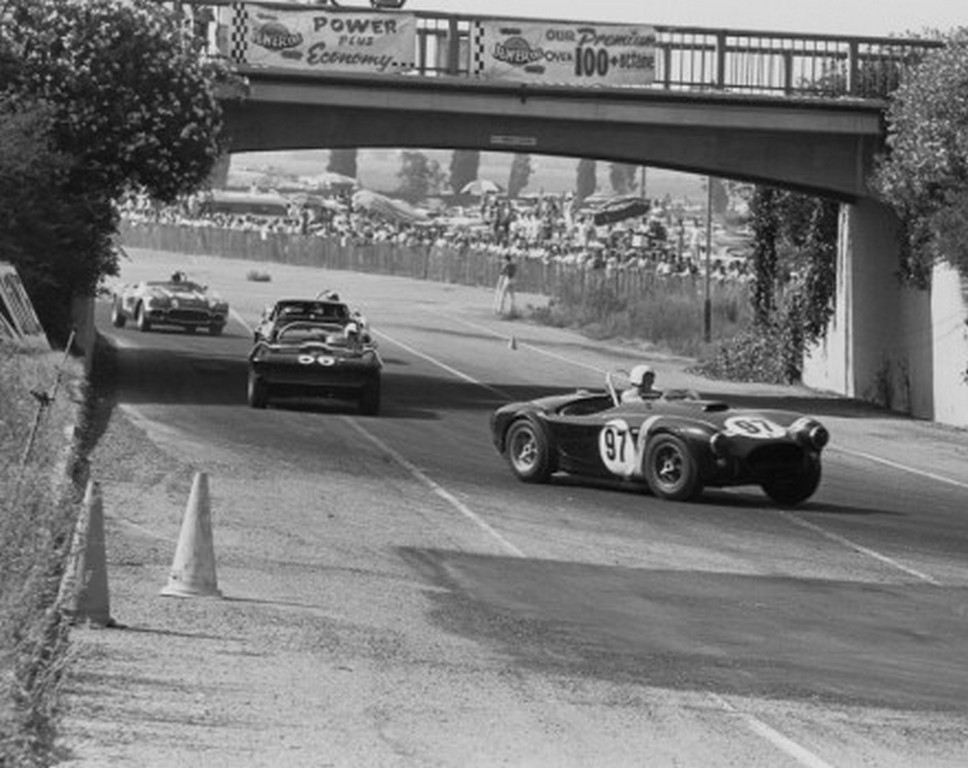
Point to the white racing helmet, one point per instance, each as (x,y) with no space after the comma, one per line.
(638,374)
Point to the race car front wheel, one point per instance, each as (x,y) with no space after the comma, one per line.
(141,318)
(528,453)
(258,391)
(671,470)
(117,315)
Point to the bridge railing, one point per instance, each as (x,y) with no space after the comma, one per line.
(691,59)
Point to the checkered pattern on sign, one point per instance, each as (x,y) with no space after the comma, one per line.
(239,43)
(477,50)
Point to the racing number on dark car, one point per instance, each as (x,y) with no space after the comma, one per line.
(751,426)
(616,447)
(615,441)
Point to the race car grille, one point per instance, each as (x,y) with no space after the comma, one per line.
(771,458)
(189,315)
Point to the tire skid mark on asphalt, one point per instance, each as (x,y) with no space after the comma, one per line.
(437,489)
(789,747)
(800,754)
(843,540)
(903,467)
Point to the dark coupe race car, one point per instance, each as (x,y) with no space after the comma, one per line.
(316,359)
(675,444)
(176,302)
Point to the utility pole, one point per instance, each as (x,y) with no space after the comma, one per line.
(707,303)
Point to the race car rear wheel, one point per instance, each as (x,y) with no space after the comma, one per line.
(671,470)
(258,391)
(527,451)
(141,318)
(118,318)
(370,398)
(215,329)
(790,491)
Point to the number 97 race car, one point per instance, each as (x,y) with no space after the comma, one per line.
(675,443)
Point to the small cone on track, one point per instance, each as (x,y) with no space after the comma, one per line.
(84,590)
(193,569)
(512,343)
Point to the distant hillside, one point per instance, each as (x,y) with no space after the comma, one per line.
(378,168)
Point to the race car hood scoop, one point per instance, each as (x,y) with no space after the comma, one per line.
(712,406)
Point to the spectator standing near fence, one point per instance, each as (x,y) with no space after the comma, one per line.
(505,285)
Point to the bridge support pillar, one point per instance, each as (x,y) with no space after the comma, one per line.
(884,343)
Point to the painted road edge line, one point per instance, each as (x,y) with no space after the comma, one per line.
(443,366)
(786,745)
(843,540)
(435,487)
(903,467)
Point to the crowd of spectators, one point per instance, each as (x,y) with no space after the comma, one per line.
(548,228)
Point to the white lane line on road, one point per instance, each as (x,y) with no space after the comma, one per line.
(801,754)
(435,487)
(843,540)
(444,366)
(902,467)
(241,320)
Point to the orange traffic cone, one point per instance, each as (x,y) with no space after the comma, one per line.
(84,591)
(512,343)
(193,569)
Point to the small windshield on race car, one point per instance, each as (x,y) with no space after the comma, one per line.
(315,310)
(182,285)
(302,333)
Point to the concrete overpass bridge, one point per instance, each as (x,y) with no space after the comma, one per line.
(804,112)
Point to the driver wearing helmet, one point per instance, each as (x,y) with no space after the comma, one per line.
(641,379)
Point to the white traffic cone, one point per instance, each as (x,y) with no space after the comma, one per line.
(193,569)
(84,590)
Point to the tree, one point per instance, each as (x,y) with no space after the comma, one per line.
(585,183)
(464,167)
(765,223)
(622,178)
(129,99)
(419,177)
(44,219)
(924,175)
(342,161)
(519,175)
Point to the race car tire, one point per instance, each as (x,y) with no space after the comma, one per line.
(118,318)
(258,391)
(528,453)
(370,398)
(671,470)
(141,318)
(215,330)
(189,328)
(790,491)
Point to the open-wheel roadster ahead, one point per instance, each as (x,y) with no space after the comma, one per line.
(675,443)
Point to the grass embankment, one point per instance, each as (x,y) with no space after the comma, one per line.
(668,314)
(38,506)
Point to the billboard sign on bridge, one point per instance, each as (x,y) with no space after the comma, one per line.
(563,53)
(312,39)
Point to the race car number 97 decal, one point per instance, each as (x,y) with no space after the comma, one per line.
(755,427)
(616,446)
